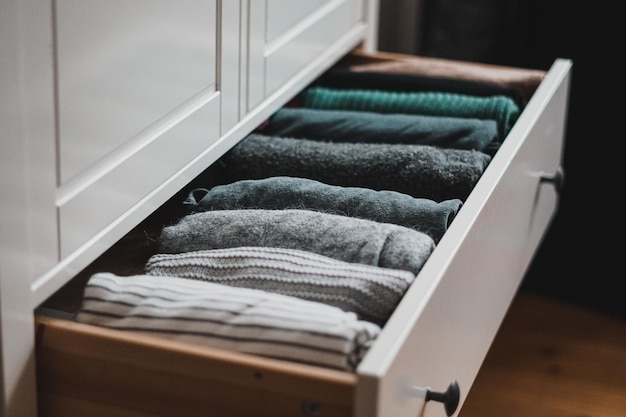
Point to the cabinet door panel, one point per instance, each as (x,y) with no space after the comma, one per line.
(283,15)
(118,74)
(288,37)
(139,97)
(149,166)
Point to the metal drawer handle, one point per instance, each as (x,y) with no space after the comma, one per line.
(558,179)
(450,398)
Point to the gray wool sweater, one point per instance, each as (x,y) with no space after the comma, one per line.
(424,215)
(344,238)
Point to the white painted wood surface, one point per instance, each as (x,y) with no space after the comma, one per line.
(117,75)
(284,40)
(28,226)
(137,99)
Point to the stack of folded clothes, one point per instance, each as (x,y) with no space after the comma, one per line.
(327,214)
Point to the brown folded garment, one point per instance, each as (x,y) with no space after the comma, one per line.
(526,80)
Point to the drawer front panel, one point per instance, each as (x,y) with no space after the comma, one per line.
(86,371)
(443,327)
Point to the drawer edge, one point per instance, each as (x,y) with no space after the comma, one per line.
(452,299)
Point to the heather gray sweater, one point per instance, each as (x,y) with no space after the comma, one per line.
(274,193)
(344,238)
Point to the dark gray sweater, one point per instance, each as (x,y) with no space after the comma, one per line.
(274,193)
(371,127)
(418,170)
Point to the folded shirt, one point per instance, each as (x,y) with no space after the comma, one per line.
(343,238)
(369,291)
(372,127)
(275,193)
(236,319)
(380,80)
(502,109)
(420,171)
(525,80)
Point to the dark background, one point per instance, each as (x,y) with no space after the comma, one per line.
(582,257)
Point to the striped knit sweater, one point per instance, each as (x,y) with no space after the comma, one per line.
(236,319)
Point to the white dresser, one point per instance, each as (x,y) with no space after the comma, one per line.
(110,108)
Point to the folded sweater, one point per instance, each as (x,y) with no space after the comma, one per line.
(343,238)
(275,193)
(372,127)
(502,109)
(526,80)
(381,80)
(418,170)
(237,319)
(369,291)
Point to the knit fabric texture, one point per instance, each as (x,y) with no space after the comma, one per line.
(371,292)
(275,193)
(420,171)
(371,127)
(237,319)
(502,109)
(339,237)
(379,80)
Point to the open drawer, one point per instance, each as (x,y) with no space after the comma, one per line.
(436,338)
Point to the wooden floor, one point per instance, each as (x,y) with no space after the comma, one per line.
(552,359)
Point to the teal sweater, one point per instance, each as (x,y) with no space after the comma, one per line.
(502,109)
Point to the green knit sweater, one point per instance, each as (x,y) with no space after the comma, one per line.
(502,109)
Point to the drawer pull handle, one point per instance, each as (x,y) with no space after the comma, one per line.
(450,398)
(311,408)
(558,179)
